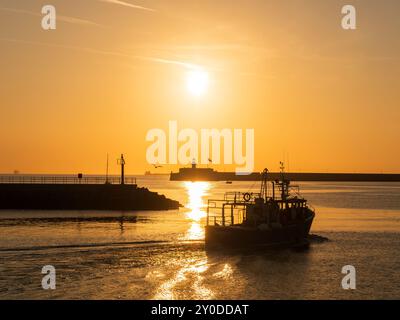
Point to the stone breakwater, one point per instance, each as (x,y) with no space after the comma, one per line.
(82,197)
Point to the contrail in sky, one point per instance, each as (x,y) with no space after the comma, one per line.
(127,4)
(178,63)
(108,53)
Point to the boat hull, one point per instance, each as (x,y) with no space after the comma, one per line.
(235,237)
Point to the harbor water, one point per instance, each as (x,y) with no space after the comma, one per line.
(161,255)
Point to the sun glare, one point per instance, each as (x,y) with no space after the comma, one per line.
(197,82)
(196,191)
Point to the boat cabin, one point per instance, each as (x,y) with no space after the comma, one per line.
(277,204)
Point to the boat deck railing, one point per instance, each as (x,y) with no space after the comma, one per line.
(26,179)
(237,197)
(223,212)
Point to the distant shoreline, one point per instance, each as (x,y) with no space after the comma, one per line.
(292,176)
(231,176)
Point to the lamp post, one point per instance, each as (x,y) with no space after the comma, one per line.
(121,162)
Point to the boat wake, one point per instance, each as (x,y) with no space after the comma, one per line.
(314,238)
(83,246)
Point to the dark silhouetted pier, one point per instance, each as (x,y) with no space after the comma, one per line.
(79,193)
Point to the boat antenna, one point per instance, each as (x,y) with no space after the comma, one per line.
(284,183)
(282,167)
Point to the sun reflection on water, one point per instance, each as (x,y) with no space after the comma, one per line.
(196,192)
(188,280)
(189,277)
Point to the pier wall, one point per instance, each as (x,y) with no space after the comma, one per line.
(337,177)
(82,197)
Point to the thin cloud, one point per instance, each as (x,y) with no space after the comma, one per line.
(178,63)
(127,4)
(173,62)
(153,59)
(66,19)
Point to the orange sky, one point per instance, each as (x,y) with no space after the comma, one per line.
(326,98)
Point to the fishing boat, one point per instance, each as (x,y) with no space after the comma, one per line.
(276,216)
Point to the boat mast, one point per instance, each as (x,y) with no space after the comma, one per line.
(283,184)
(263,191)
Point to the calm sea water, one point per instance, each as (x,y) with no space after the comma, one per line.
(162,255)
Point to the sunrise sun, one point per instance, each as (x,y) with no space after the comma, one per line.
(197,82)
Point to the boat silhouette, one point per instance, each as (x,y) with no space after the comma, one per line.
(276,216)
